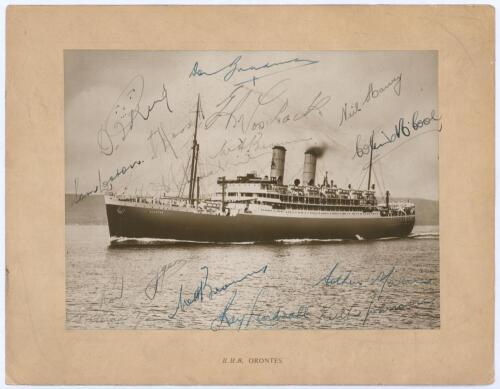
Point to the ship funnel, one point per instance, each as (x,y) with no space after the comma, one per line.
(309,174)
(278,164)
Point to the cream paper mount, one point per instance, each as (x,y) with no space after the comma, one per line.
(75,316)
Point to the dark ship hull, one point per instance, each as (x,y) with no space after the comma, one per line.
(129,221)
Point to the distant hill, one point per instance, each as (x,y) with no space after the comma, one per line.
(91,210)
(426,211)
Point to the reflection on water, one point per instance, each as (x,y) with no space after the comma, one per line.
(391,283)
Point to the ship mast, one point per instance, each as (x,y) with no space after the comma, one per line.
(194,157)
(371,159)
(197,191)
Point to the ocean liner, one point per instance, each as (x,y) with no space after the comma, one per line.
(250,208)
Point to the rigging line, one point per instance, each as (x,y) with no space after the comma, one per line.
(378,184)
(203,171)
(377,178)
(320,167)
(173,177)
(163,185)
(382,176)
(361,173)
(323,170)
(129,180)
(362,179)
(184,180)
(133,177)
(167,179)
(375,175)
(383,182)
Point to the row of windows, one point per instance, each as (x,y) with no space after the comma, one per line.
(156,211)
(300,199)
(309,211)
(345,208)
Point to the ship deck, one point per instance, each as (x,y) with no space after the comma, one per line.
(149,220)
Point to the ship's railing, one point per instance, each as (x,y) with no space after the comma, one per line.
(172,204)
(213,207)
(398,216)
(304,190)
(318,212)
(293,200)
(270,197)
(297,198)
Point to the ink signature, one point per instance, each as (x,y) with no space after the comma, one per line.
(155,285)
(231,108)
(228,71)
(205,291)
(402,129)
(350,110)
(270,318)
(124,113)
(103,185)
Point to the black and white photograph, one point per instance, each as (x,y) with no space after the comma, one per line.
(252,190)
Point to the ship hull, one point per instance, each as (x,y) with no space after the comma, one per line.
(142,222)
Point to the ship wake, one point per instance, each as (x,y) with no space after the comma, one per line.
(156,242)
(150,242)
(424,235)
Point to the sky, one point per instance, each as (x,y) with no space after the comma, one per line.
(130,118)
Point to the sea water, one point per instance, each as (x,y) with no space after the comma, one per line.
(292,284)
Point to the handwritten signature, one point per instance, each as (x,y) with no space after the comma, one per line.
(124,113)
(103,185)
(230,108)
(241,311)
(337,278)
(383,279)
(261,314)
(402,129)
(350,110)
(204,290)
(229,70)
(345,279)
(155,285)
(270,318)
